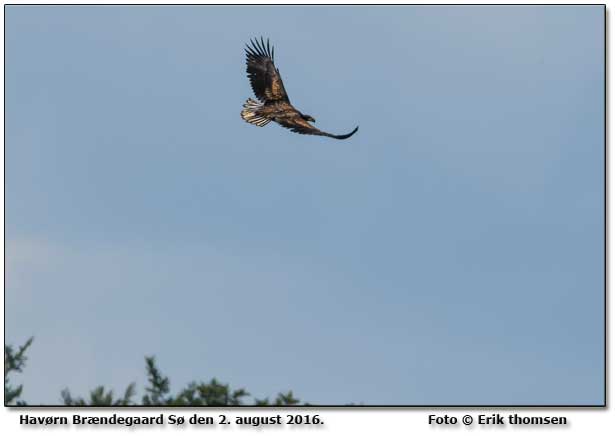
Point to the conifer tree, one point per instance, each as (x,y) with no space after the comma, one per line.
(14,362)
(157,391)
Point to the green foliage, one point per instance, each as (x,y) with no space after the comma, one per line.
(281,400)
(98,397)
(286,399)
(14,362)
(213,393)
(157,391)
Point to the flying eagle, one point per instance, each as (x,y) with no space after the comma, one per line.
(274,103)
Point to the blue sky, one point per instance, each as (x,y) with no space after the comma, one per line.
(451,252)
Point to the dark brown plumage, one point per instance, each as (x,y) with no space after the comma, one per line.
(269,89)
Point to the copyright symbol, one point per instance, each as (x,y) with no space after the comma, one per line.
(467,420)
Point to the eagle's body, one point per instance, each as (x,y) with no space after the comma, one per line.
(274,102)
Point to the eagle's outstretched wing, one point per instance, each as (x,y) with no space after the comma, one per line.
(264,76)
(295,123)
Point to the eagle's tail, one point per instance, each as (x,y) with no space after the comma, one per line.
(251,115)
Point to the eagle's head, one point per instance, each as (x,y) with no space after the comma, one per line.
(308,118)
